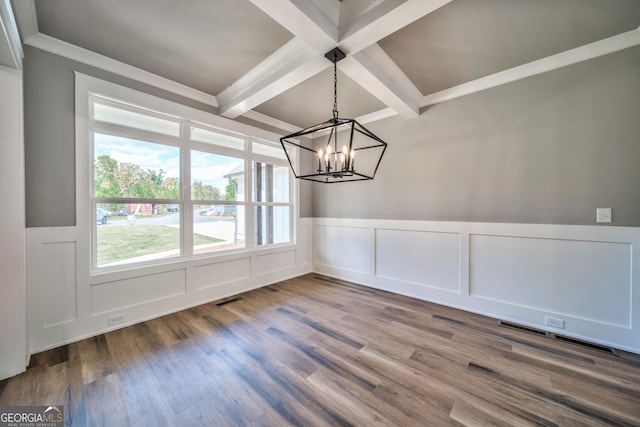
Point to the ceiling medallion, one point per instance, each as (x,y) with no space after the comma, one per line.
(342,149)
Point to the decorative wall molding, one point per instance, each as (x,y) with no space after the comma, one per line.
(522,273)
(65,306)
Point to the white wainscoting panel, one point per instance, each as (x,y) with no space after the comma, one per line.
(522,273)
(423,258)
(67,302)
(109,296)
(220,273)
(303,252)
(273,262)
(60,293)
(567,277)
(345,248)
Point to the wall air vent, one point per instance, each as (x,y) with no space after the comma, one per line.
(551,335)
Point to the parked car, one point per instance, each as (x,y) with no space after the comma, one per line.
(101,216)
(208,212)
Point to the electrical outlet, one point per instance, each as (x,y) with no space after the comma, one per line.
(603,215)
(552,321)
(114,320)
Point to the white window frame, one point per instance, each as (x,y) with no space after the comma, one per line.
(126,98)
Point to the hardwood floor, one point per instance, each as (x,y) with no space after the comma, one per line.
(315,351)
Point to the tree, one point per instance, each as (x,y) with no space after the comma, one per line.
(113,179)
(230,189)
(200,191)
(106,182)
(156,177)
(135,181)
(170,189)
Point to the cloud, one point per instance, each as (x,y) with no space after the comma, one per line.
(207,168)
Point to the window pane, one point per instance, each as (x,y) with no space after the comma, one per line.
(136,232)
(219,139)
(271,183)
(125,167)
(217,228)
(270,150)
(272,225)
(216,177)
(119,116)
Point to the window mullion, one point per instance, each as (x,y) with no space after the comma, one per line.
(250,209)
(185,193)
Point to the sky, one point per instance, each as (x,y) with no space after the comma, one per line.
(207,168)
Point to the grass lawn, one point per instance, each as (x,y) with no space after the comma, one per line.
(124,242)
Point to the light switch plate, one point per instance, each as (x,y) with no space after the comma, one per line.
(603,215)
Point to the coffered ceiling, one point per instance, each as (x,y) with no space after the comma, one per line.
(264,59)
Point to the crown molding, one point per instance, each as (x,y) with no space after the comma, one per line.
(25,14)
(93,59)
(268,120)
(376,115)
(550,63)
(10,44)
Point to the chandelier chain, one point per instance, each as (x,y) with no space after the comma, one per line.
(335,90)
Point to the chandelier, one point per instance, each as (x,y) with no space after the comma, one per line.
(340,149)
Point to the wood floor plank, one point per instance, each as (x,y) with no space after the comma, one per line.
(317,351)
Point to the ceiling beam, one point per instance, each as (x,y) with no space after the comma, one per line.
(290,65)
(550,63)
(314,24)
(376,72)
(382,19)
(313,21)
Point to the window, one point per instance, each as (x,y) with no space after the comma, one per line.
(271,198)
(136,192)
(214,193)
(166,187)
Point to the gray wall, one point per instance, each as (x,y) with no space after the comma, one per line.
(546,149)
(49,102)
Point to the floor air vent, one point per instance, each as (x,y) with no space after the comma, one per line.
(522,328)
(551,335)
(227,301)
(584,344)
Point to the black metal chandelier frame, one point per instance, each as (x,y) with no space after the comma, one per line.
(333,164)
